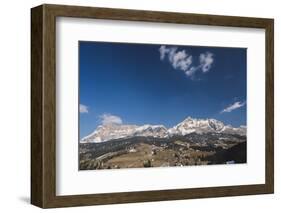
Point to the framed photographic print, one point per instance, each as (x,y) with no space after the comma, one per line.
(136,106)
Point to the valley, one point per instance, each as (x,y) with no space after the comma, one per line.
(140,152)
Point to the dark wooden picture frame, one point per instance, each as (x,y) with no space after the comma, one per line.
(43,105)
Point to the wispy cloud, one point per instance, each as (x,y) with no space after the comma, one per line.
(181,60)
(110,119)
(83,108)
(234,106)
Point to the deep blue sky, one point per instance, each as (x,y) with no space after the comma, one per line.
(132,82)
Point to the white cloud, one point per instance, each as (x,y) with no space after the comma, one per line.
(206,60)
(110,119)
(234,106)
(163,50)
(181,60)
(83,108)
(178,59)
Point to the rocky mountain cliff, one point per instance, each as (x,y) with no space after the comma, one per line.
(190,125)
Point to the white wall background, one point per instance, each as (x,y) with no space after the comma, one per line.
(15,104)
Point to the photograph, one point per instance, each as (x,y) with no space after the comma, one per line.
(139,105)
(161,105)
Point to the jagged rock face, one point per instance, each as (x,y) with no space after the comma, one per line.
(109,132)
(189,125)
(158,131)
(216,125)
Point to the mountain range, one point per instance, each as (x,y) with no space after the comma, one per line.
(109,132)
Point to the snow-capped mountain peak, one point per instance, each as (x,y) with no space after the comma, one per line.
(189,125)
(199,126)
(109,132)
(158,131)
